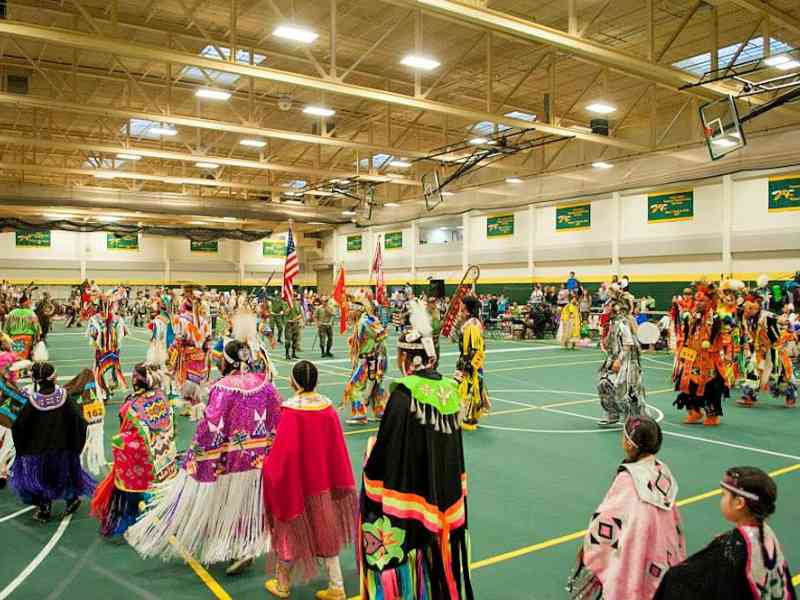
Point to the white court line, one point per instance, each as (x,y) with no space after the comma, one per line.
(16,514)
(730,445)
(19,579)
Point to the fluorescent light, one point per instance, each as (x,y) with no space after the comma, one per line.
(108,219)
(348,213)
(601,108)
(319,111)
(212,94)
(293,194)
(198,223)
(49,215)
(105,175)
(158,130)
(791,64)
(478,141)
(296,34)
(253,143)
(442,228)
(420,62)
(229,219)
(513,180)
(774,61)
(724,143)
(391,205)
(448,193)
(460,227)
(206,165)
(315,223)
(400,164)
(602,165)
(581,128)
(125,156)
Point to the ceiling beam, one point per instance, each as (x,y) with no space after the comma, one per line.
(50,143)
(594,52)
(106,44)
(779,17)
(199,123)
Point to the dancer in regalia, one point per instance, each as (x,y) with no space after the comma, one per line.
(12,400)
(413,539)
(188,355)
(144,453)
(368,356)
(765,367)
(106,330)
(49,434)
(22,326)
(635,534)
(570,325)
(620,383)
(469,369)
(312,511)
(747,562)
(703,366)
(213,508)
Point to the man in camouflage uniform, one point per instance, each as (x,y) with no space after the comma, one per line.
(277,320)
(294,325)
(323,317)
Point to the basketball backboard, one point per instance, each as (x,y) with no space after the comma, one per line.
(722,127)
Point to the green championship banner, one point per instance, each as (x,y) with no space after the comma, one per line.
(209,247)
(500,226)
(574,217)
(33,239)
(784,193)
(671,206)
(122,241)
(354,243)
(393,240)
(273,248)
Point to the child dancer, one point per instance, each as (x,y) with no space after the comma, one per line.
(747,562)
(144,453)
(49,435)
(309,489)
(635,534)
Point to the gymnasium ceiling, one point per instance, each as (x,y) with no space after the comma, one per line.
(101,74)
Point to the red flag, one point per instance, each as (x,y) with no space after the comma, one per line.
(377,268)
(340,297)
(290,270)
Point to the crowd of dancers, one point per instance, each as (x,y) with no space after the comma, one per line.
(251,482)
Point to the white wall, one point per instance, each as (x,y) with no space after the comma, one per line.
(619,240)
(158,260)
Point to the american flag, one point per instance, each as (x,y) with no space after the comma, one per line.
(290,270)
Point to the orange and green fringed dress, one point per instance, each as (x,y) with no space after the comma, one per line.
(413,540)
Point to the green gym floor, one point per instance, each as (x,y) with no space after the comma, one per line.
(537,470)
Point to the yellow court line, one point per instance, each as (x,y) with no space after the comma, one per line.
(206,577)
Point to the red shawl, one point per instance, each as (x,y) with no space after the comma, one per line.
(309,489)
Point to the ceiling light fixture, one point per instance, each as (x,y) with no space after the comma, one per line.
(348,213)
(513,180)
(159,130)
(400,164)
(601,108)
(212,94)
(423,63)
(391,205)
(104,175)
(602,165)
(319,111)
(295,33)
(125,156)
(108,219)
(253,143)
(448,193)
(49,215)
(206,165)
(478,141)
